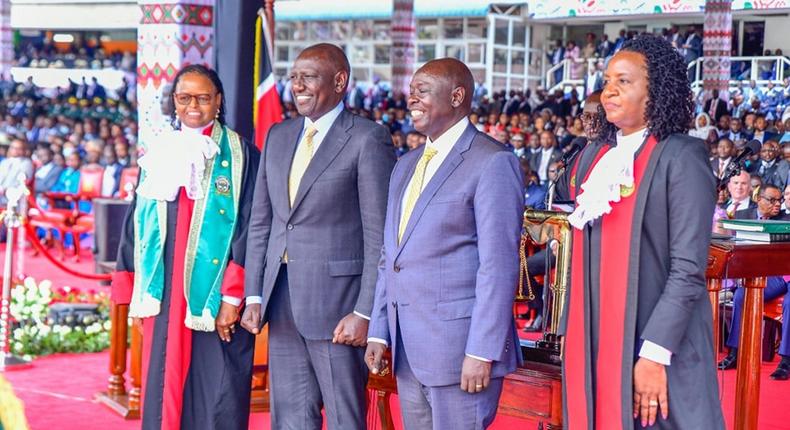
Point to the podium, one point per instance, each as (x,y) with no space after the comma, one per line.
(752,262)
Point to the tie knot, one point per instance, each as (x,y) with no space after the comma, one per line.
(310,132)
(429,153)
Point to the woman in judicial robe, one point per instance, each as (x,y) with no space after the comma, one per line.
(638,327)
(181,263)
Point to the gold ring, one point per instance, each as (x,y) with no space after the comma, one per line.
(478,386)
(653,403)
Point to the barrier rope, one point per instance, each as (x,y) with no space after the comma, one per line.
(31,235)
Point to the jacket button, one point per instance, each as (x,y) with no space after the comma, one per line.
(215,261)
(290,227)
(222,211)
(396,269)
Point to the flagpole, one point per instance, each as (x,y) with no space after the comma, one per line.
(268,11)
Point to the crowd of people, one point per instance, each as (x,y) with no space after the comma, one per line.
(87,54)
(687,42)
(50,134)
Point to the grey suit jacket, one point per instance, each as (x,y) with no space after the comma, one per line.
(333,233)
(450,282)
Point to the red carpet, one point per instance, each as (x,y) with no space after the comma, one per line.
(58,390)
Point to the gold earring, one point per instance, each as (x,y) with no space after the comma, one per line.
(216,116)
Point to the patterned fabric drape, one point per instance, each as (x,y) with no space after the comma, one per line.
(403,42)
(171,34)
(717,46)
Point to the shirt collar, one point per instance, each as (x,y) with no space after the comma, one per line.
(323,123)
(633,141)
(743,203)
(198,130)
(449,137)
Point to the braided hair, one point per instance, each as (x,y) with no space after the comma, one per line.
(199,69)
(670,104)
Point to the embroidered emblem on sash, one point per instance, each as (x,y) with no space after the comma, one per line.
(222,184)
(626,191)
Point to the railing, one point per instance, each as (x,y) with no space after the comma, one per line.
(570,73)
(762,70)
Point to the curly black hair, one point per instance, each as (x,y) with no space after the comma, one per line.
(208,73)
(670,104)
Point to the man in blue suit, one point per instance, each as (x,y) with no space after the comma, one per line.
(449,263)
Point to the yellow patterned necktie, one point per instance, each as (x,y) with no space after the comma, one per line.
(415,188)
(302,157)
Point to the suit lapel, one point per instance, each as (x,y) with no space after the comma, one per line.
(454,158)
(333,142)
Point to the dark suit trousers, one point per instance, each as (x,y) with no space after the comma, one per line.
(774,287)
(308,374)
(446,407)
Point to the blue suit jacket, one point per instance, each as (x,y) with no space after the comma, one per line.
(449,285)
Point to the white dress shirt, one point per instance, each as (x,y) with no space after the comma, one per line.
(108,180)
(723,163)
(543,169)
(738,205)
(443,145)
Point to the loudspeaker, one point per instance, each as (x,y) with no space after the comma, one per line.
(109,215)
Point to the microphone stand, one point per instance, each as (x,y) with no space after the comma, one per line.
(11,218)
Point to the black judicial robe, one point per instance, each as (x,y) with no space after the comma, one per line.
(192,379)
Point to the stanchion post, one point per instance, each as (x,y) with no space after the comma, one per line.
(9,361)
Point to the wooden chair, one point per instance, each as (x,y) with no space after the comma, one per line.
(772,320)
(259,398)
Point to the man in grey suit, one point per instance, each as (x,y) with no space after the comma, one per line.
(314,241)
(449,265)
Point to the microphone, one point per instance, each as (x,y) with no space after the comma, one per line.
(737,164)
(576,145)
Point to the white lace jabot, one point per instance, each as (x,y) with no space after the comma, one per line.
(173,160)
(602,188)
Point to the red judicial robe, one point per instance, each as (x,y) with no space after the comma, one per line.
(191,379)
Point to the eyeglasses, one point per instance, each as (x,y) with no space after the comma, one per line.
(773,201)
(185,99)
